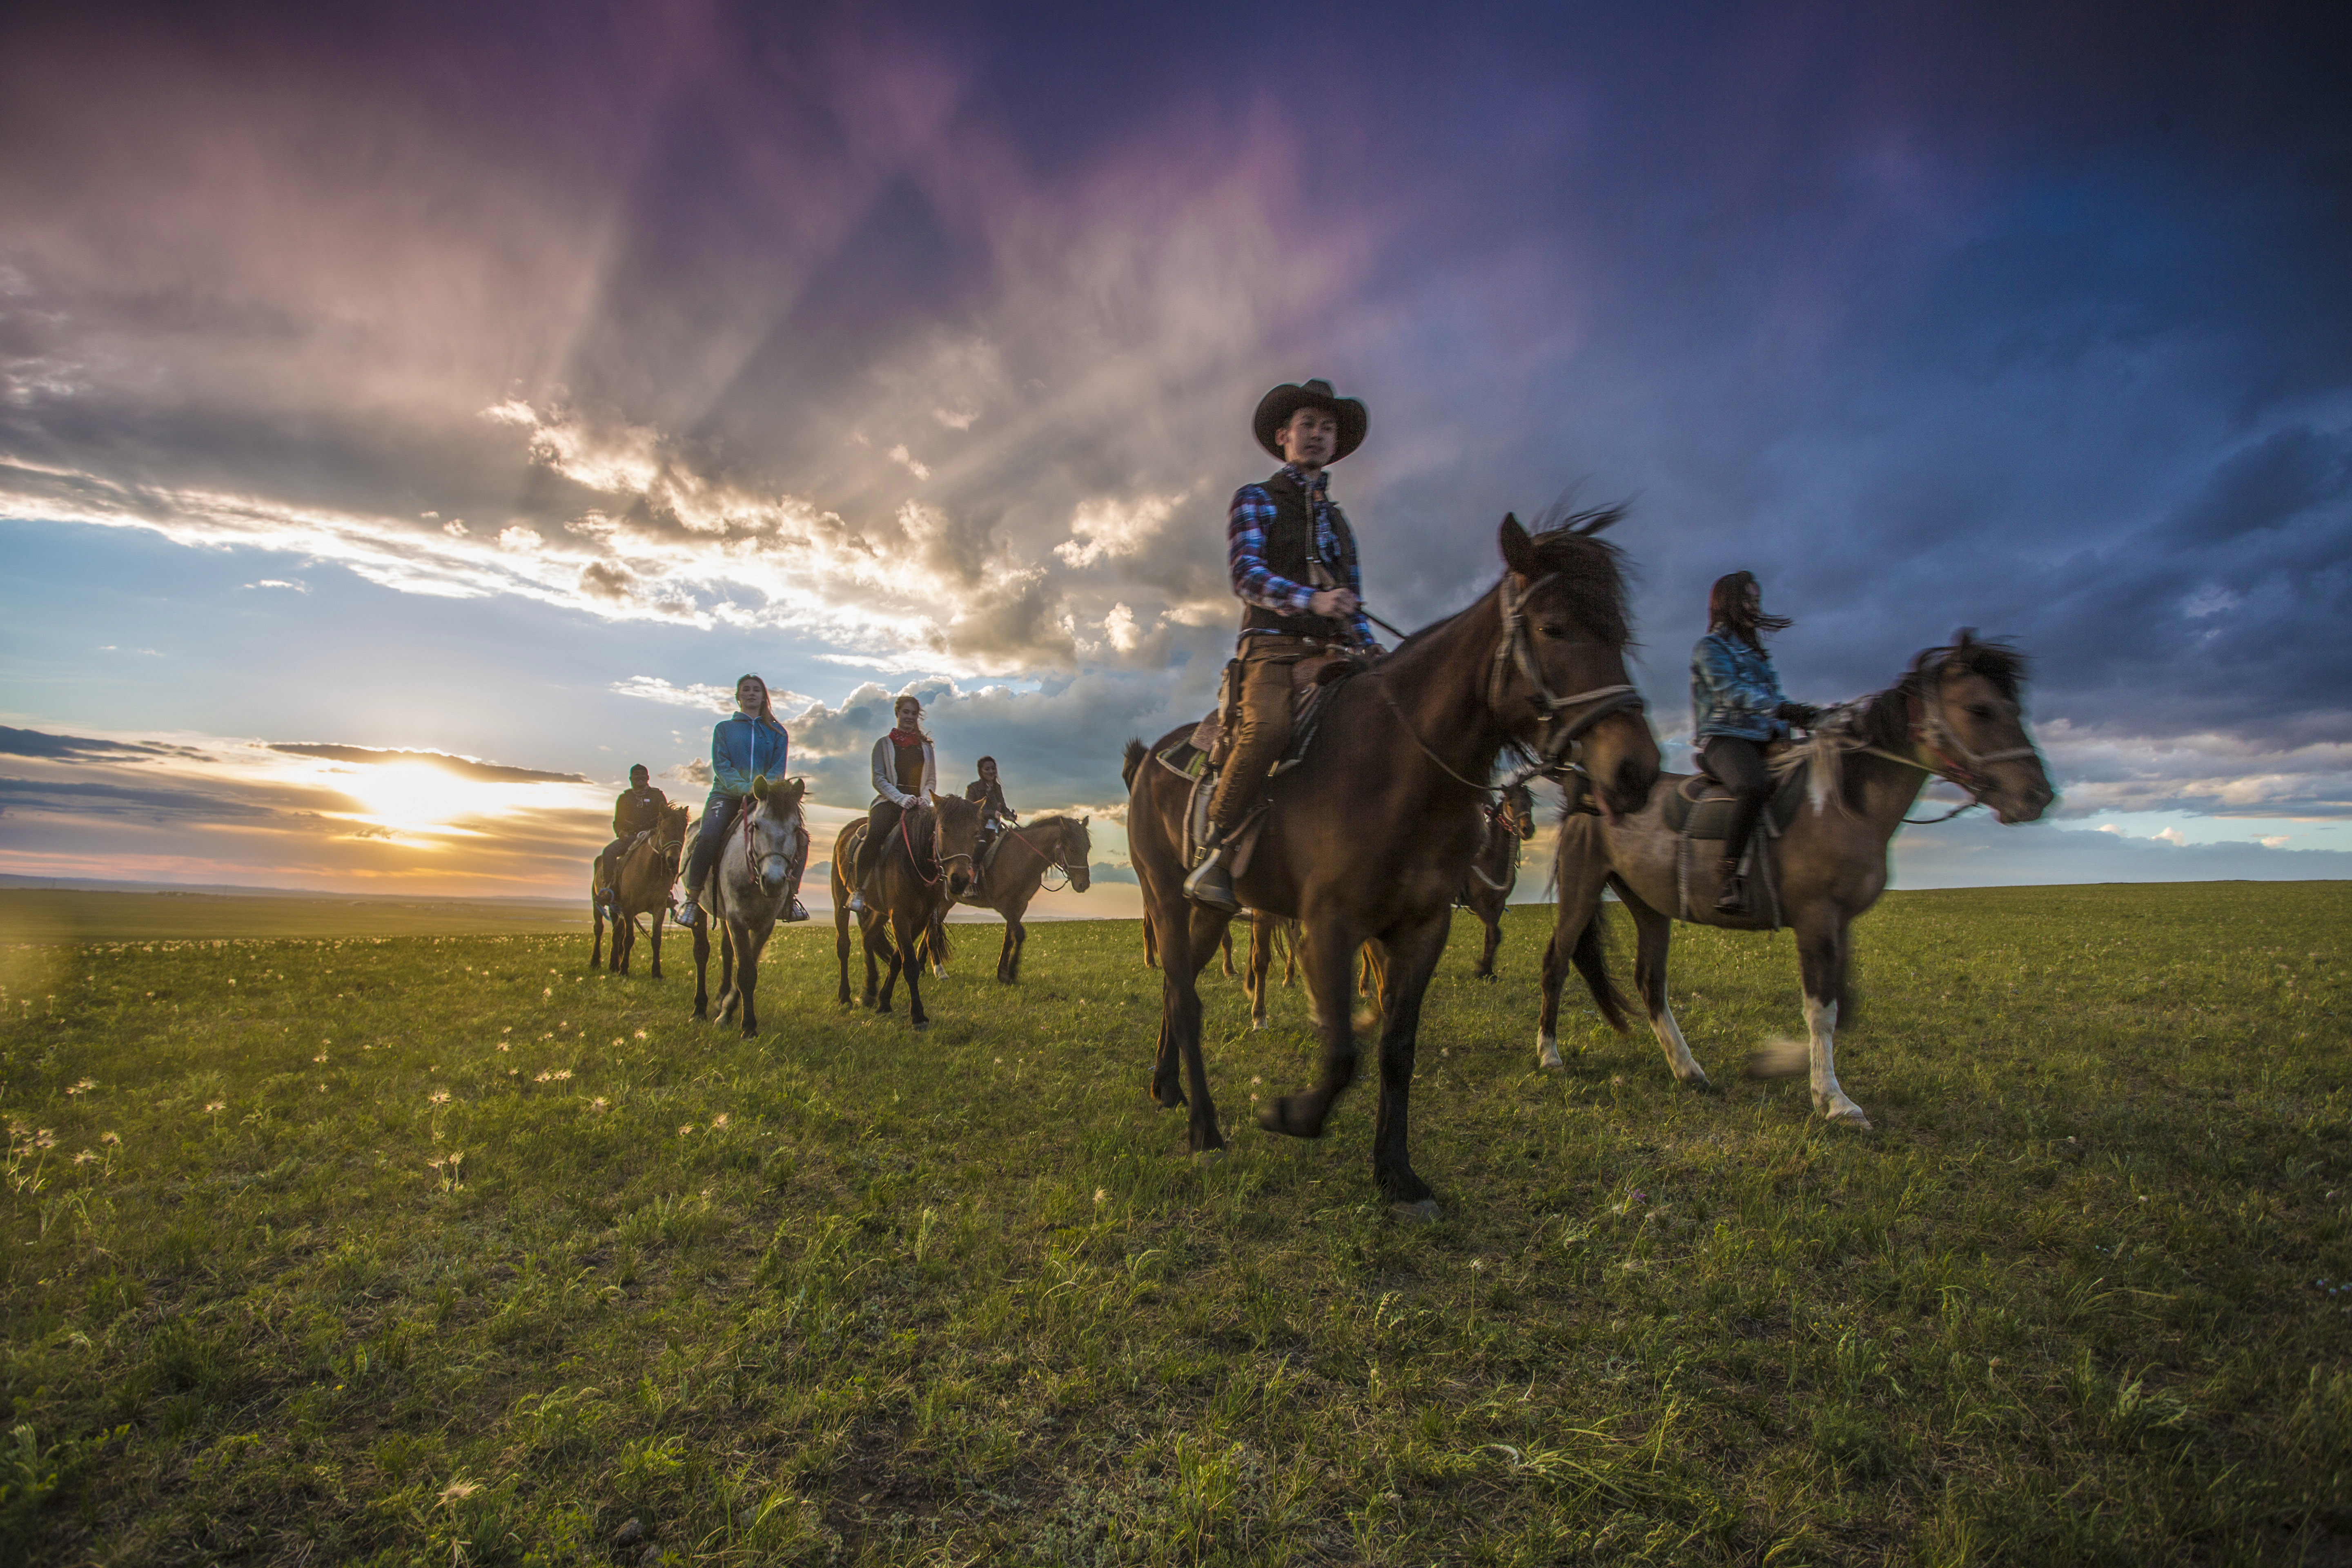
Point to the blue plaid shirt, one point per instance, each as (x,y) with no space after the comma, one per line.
(1255,583)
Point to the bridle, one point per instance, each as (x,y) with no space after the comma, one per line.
(942,861)
(1565,718)
(1056,862)
(1558,738)
(756,857)
(1930,733)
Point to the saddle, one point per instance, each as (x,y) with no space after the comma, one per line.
(1200,755)
(1697,810)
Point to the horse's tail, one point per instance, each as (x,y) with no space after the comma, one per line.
(1591,956)
(1136,751)
(937,948)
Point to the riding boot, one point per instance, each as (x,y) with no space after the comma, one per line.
(1212,883)
(687,909)
(1733,900)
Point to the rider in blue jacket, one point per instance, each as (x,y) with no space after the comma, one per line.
(1736,710)
(746,743)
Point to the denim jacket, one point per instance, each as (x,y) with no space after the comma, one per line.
(741,746)
(1734,690)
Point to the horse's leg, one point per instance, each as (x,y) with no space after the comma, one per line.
(702,969)
(747,984)
(880,984)
(1575,925)
(1203,930)
(1331,945)
(625,937)
(1653,934)
(1225,945)
(1407,957)
(1291,933)
(1493,917)
(1821,954)
(911,929)
(596,914)
(658,911)
(732,972)
(1151,942)
(1261,959)
(1016,933)
(841,918)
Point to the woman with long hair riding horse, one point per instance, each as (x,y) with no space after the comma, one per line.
(1956,714)
(905,772)
(748,743)
(1736,710)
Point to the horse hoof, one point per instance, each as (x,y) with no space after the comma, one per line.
(1853,1119)
(1426,1212)
(1208,1156)
(919,1023)
(1282,1116)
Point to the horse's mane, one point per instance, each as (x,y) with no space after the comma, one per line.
(1059,819)
(1591,574)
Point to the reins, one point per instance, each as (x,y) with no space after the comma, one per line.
(938,859)
(1059,862)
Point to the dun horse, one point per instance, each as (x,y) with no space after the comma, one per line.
(1016,870)
(925,866)
(642,886)
(1955,715)
(1495,870)
(1369,834)
(750,888)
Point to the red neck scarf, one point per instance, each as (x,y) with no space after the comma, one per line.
(906,737)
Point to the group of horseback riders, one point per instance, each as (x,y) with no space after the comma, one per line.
(1292,560)
(752,742)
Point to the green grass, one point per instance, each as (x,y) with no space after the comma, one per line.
(78,915)
(852,1293)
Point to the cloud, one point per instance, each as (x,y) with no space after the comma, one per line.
(461,767)
(328,817)
(281,583)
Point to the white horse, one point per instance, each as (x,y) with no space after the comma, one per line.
(750,889)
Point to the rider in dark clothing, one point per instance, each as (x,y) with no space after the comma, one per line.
(995,816)
(905,773)
(638,810)
(1736,710)
(1292,558)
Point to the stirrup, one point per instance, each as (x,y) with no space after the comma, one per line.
(1211,883)
(686,912)
(1733,900)
(794,913)
(857,901)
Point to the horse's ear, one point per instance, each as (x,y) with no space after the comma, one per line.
(759,786)
(795,791)
(1518,550)
(1089,816)
(1965,637)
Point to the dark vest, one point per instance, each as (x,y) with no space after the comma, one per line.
(638,810)
(907,761)
(1290,539)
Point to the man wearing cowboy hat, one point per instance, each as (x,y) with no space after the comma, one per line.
(1292,561)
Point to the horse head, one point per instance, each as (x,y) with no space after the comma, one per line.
(1077,853)
(955,829)
(1969,724)
(1558,684)
(777,842)
(1518,810)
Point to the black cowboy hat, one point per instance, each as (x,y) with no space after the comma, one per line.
(1275,409)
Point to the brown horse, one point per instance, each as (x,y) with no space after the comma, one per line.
(750,889)
(924,867)
(1955,715)
(1369,834)
(647,872)
(1495,870)
(1017,870)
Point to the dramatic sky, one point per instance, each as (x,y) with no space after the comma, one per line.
(382,385)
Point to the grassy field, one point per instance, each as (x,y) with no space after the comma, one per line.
(435,1250)
(77,915)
